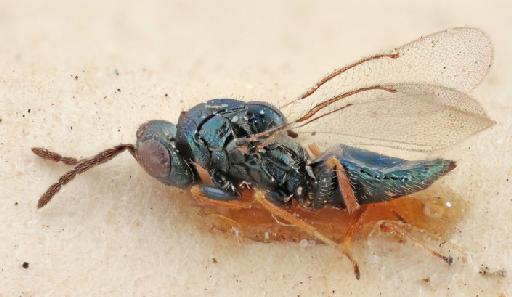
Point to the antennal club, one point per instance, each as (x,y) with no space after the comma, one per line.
(81,166)
(53,156)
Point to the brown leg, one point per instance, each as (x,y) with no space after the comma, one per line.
(202,200)
(345,186)
(259,196)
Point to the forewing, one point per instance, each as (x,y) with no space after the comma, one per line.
(414,117)
(457,58)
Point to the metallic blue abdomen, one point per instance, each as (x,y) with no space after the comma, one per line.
(375,177)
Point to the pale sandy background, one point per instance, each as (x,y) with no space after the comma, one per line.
(79,76)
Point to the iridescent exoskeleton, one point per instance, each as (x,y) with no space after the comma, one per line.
(319,150)
(209,136)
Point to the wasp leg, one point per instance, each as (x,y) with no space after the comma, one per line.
(213,189)
(275,210)
(277,198)
(204,175)
(314,151)
(405,231)
(217,193)
(206,198)
(215,184)
(345,186)
(216,190)
(223,183)
(354,226)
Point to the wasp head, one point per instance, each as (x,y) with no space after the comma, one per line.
(156,152)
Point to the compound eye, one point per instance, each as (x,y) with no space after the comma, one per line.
(154,157)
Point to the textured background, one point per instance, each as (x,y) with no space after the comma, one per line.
(79,76)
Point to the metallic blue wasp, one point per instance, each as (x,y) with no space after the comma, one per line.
(411,98)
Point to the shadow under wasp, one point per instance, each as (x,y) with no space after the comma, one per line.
(262,168)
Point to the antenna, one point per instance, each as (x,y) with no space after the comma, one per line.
(80,166)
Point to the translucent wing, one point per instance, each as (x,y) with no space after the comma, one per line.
(415,117)
(458,58)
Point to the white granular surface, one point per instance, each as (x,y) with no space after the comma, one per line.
(80,76)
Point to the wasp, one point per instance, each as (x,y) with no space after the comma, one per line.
(412,98)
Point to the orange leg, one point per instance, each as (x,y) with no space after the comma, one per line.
(345,186)
(354,226)
(343,182)
(203,174)
(259,196)
(405,231)
(314,151)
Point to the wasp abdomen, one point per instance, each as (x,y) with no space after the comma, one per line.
(374,177)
